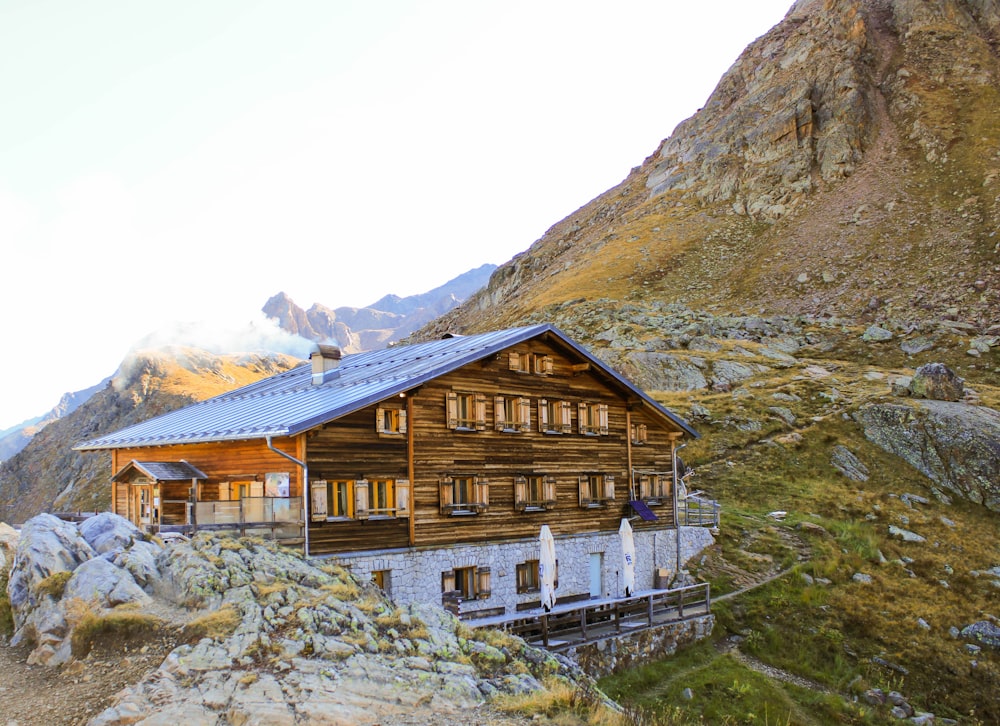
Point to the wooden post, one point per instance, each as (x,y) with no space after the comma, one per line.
(410,472)
(628,450)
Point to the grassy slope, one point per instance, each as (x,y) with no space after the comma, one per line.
(829,633)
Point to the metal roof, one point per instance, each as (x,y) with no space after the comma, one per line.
(163,470)
(290,403)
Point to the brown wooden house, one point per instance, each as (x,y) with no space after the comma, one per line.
(430,467)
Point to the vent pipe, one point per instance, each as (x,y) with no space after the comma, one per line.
(325,360)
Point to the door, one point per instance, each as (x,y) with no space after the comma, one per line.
(596,574)
(142,504)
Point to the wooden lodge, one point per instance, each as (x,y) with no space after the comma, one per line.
(429,467)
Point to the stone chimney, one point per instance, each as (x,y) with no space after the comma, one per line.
(325,360)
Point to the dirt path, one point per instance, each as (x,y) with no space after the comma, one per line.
(47,696)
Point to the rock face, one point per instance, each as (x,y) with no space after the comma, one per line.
(957,446)
(305,642)
(793,188)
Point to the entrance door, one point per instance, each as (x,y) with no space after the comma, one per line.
(596,574)
(142,504)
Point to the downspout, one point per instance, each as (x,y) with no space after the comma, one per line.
(305,488)
(677,517)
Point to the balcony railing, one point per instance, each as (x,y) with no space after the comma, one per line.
(697,511)
(270,517)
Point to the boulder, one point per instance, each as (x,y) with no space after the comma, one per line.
(47,545)
(844,461)
(983,633)
(875,334)
(101,583)
(938,382)
(106,532)
(955,445)
(663,372)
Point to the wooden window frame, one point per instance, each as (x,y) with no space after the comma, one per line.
(512,414)
(526,577)
(596,489)
(534,493)
(383,580)
(470,582)
(463,495)
(654,489)
(539,364)
(555,417)
(639,434)
(332,501)
(390,421)
(592,418)
(465,411)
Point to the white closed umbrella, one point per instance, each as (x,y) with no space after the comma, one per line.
(547,568)
(628,556)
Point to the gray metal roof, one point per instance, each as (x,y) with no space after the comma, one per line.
(290,403)
(163,470)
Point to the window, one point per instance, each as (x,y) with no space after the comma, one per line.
(639,433)
(654,488)
(537,363)
(241,489)
(555,417)
(390,421)
(512,413)
(596,489)
(466,411)
(339,498)
(527,576)
(534,493)
(593,419)
(383,579)
(464,494)
(359,499)
(468,583)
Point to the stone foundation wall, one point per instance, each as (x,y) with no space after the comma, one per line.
(629,650)
(415,575)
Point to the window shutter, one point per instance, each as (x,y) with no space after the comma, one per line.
(543,365)
(380,420)
(498,413)
(543,415)
(256,489)
(451,405)
(644,488)
(361,499)
(582,417)
(524,405)
(482,493)
(520,492)
(567,417)
(549,491)
(402,422)
(483,583)
(609,486)
(447,490)
(514,360)
(402,497)
(448,581)
(602,418)
(319,505)
(481,411)
(584,490)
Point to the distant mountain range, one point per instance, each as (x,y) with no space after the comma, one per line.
(385,321)
(354,329)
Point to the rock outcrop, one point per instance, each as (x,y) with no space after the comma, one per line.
(956,445)
(274,638)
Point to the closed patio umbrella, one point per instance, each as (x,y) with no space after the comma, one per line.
(628,557)
(547,568)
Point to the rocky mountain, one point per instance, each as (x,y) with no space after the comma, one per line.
(47,475)
(17,437)
(848,164)
(387,320)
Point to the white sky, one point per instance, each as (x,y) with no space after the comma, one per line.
(184,161)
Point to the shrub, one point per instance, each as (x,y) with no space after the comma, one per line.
(54,584)
(217,624)
(115,627)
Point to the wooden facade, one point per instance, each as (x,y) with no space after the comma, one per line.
(481,452)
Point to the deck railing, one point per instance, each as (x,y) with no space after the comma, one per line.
(570,626)
(695,511)
(271,517)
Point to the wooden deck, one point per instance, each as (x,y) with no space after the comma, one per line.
(566,626)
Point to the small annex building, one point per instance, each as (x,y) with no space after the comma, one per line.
(429,467)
